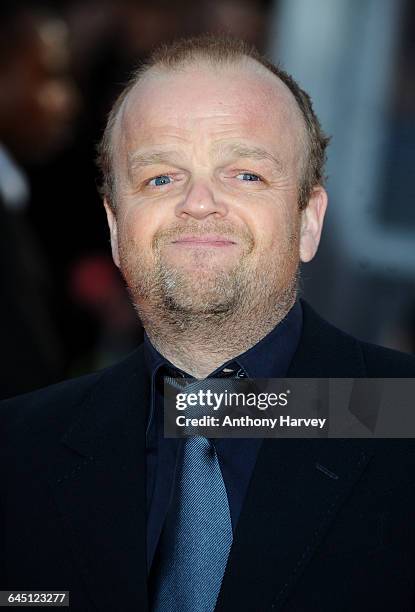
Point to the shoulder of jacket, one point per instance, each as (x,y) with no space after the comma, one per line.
(59,399)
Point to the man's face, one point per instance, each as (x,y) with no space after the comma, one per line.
(207,165)
(38,99)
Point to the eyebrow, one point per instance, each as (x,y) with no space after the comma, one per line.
(242,150)
(149,158)
(142,159)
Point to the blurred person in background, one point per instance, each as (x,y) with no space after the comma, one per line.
(38,102)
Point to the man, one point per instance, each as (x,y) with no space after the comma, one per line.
(38,105)
(213,183)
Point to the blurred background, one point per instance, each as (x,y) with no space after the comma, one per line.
(63,309)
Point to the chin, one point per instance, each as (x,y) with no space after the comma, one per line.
(200,302)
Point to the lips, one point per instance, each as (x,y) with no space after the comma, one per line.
(205,240)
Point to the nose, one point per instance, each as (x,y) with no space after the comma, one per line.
(200,202)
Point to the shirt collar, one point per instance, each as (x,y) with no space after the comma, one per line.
(269,358)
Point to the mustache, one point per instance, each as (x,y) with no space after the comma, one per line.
(228,231)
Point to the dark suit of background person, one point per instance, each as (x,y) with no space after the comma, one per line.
(30,351)
(325,524)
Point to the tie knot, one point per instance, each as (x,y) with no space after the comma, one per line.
(180,380)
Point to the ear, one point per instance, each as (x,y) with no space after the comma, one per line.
(112,224)
(312,218)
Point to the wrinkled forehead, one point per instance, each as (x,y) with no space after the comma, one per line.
(201,98)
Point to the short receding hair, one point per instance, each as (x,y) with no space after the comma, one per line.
(219,50)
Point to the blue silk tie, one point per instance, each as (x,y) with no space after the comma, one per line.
(197,537)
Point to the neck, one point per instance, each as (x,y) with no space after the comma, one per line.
(199,343)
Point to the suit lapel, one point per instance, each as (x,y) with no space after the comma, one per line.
(290,504)
(297,486)
(101,489)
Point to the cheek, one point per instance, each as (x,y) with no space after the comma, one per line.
(272,227)
(137,229)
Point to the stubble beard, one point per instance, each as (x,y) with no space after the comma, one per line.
(211,304)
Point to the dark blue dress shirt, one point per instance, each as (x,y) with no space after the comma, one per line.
(269,358)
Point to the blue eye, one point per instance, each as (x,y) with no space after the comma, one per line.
(248,176)
(159,181)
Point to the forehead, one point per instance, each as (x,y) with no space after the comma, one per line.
(207,102)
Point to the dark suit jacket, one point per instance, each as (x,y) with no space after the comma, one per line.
(73,498)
